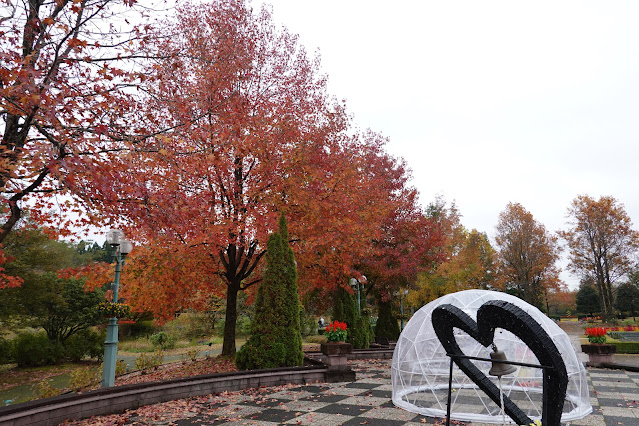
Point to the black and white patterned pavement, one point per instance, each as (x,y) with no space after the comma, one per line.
(367,401)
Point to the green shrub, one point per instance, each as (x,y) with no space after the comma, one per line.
(243,326)
(84,343)
(316,339)
(157,359)
(146,362)
(143,362)
(345,310)
(627,347)
(192,354)
(45,389)
(141,329)
(162,340)
(308,324)
(6,351)
(33,349)
(121,367)
(83,377)
(257,356)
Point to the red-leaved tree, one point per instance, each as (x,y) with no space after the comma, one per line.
(253,134)
(65,101)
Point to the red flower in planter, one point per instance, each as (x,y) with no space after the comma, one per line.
(336,331)
(596,334)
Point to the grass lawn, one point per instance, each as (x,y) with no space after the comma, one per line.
(25,384)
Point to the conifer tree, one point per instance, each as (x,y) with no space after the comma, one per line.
(386,322)
(345,310)
(293,331)
(276,339)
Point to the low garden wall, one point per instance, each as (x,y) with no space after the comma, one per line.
(359,354)
(53,411)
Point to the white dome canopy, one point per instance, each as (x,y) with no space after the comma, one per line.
(420,366)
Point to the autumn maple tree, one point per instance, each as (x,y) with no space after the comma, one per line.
(527,254)
(253,135)
(63,100)
(602,244)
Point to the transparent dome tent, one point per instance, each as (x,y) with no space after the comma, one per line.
(420,367)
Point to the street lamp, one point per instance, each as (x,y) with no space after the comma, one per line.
(121,247)
(402,295)
(355,283)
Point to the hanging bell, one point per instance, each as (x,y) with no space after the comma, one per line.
(499,368)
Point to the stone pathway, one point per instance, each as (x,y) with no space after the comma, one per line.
(367,401)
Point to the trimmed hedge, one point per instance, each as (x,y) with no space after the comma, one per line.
(627,347)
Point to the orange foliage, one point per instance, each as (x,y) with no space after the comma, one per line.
(254,133)
(63,110)
(560,301)
(7,281)
(602,244)
(527,255)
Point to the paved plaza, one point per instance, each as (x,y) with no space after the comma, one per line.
(366,401)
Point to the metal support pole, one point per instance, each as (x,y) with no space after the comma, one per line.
(111,342)
(401,310)
(450,390)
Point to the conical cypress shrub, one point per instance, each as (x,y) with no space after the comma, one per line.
(292,338)
(386,323)
(275,339)
(345,310)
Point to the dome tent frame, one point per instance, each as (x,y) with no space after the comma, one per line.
(420,367)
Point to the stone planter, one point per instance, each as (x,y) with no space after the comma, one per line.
(598,353)
(335,356)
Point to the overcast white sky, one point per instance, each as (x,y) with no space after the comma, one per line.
(490,102)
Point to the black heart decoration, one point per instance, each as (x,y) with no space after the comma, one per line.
(501,314)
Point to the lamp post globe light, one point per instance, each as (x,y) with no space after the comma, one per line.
(121,247)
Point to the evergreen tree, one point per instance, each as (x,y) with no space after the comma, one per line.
(293,331)
(587,300)
(60,306)
(628,298)
(345,310)
(275,339)
(386,322)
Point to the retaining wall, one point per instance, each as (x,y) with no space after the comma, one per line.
(53,411)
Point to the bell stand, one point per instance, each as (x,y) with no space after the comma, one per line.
(475,358)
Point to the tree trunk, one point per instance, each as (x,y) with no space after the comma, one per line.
(228,346)
(239,266)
